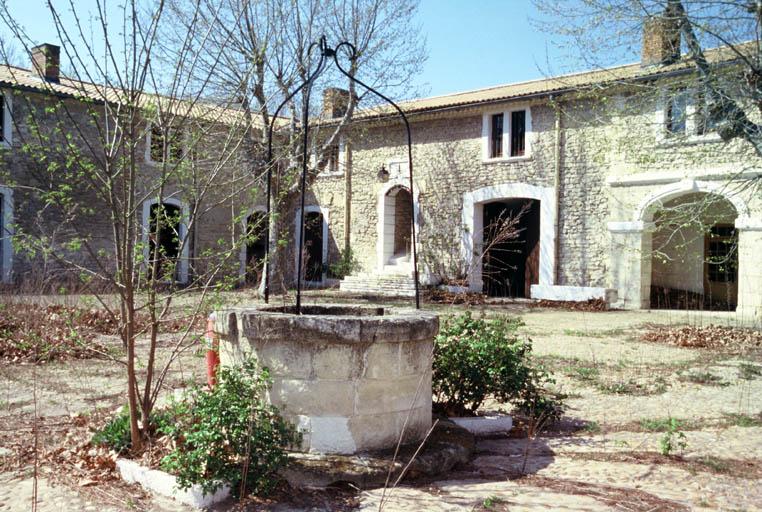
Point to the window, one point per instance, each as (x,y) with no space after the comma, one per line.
(706,120)
(721,254)
(518,132)
(677,110)
(158,147)
(689,113)
(496,136)
(504,134)
(333,159)
(5,119)
(2,118)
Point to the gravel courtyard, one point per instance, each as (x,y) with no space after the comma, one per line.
(621,394)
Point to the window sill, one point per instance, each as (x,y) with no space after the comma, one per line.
(506,159)
(691,140)
(330,174)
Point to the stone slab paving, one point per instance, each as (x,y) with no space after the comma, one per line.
(465,496)
(730,442)
(566,472)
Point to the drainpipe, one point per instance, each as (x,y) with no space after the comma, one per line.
(557,188)
(347,195)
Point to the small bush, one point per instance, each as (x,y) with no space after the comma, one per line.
(116,433)
(477,358)
(673,438)
(345,266)
(215,429)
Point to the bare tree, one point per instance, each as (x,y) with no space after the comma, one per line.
(269,54)
(124,162)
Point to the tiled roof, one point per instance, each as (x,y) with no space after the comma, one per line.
(547,86)
(16,77)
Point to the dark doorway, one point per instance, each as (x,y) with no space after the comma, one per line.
(511,262)
(256,229)
(164,240)
(313,246)
(403,223)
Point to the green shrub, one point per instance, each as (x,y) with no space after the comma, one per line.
(477,358)
(673,438)
(346,265)
(116,433)
(215,429)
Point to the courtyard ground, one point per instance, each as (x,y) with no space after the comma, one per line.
(604,455)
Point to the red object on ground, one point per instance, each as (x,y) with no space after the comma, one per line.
(212,355)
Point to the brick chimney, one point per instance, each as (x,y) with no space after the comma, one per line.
(661,41)
(46,59)
(335,102)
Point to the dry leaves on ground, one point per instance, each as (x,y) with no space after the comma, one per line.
(34,333)
(438,296)
(588,305)
(710,336)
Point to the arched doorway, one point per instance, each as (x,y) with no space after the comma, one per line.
(313,247)
(255,248)
(511,245)
(396,229)
(315,251)
(694,253)
(164,240)
(165,237)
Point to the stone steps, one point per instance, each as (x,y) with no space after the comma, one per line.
(392,285)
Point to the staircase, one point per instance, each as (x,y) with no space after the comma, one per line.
(387,283)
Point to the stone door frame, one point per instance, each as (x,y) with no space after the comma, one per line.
(182,266)
(244,227)
(6,237)
(631,249)
(473,229)
(381,261)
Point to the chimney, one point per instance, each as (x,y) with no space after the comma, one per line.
(335,102)
(661,41)
(46,61)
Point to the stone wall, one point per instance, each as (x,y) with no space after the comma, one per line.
(71,121)
(613,157)
(349,377)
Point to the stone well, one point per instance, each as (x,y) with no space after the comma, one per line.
(352,378)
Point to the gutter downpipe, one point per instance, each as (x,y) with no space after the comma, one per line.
(347,195)
(557,189)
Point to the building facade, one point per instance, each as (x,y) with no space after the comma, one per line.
(568,188)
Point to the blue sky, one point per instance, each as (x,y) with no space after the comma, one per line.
(480,43)
(471,43)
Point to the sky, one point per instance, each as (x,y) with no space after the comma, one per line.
(471,43)
(480,43)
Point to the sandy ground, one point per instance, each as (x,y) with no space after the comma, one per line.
(604,455)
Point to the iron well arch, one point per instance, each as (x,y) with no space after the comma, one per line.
(327,53)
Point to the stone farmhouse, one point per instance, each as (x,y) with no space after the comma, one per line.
(609,176)
(598,179)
